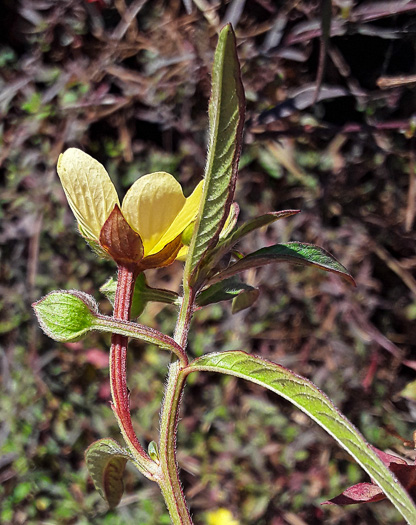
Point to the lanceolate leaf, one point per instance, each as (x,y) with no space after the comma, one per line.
(308,398)
(254,224)
(231,240)
(243,295)
(293,252)
(106,461)
(226,120)
(222,291)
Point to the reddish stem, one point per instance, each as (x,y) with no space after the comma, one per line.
(121,402)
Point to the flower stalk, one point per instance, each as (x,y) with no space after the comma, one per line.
(118,355)
(165,472)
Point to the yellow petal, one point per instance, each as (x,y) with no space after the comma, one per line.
(182,220)
(89,190)
(183,252)
(151,205)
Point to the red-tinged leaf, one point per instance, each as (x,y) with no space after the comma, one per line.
(388,459)
(370,492)
(360,493)
(106,461)
(293,252)
(406,474)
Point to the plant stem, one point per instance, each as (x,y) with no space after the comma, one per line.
(118,353)
(171,487)
(185,317)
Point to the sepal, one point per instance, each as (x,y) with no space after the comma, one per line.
(120,241)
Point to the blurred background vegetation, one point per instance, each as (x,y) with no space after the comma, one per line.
(129,82)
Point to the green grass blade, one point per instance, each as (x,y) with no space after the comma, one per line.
(226,121)
(308,398)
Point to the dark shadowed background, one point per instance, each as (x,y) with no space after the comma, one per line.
(128,82)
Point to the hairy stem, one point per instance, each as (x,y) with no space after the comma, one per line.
(184,318)
(171,488)
(118,354)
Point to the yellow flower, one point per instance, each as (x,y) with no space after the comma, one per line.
(154,208)
(220,517)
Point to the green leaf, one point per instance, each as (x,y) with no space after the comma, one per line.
(226,121)
(308,398)
(143,293)
(293,252)
(231,240)
(222,291)
(106,461)
(66,316)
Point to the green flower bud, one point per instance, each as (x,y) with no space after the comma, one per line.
(66,316)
